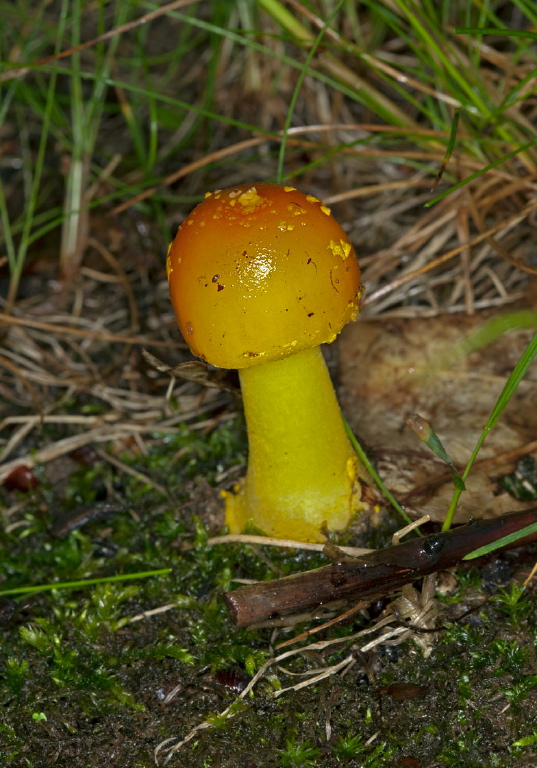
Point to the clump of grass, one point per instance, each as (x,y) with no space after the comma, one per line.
(352,747)
(417,78)
(298,755)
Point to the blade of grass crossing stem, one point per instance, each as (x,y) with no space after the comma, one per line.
(507,393)
(298,86)
(376,477)
(503,542)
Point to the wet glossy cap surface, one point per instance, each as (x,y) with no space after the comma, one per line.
(258,272)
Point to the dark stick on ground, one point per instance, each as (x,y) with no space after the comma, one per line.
(377,573)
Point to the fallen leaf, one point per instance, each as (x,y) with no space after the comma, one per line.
(392,369)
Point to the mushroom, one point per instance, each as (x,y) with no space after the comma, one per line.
(260,275)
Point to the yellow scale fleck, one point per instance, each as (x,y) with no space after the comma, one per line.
(296,210)
(250,200)
(343,248)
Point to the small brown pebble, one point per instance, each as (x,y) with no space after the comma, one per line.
(20,479)
(404,691)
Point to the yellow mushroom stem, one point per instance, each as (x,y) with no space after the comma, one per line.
(302,469)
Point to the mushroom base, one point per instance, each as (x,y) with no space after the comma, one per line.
(302,476)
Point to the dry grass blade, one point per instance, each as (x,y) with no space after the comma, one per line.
(70,444)
(189,169)
(268,541)
(64,328)
(503,226)
(318,675)
(314,630)
(46,360)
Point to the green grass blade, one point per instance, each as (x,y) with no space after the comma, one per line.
(360,88)
(7,230)
(298,86)
(16,266)
(504,541)
(374,474)
(492,31)
(437,52)
(85,582)
(488,332)
(479,173)
(449,148)
(507,393)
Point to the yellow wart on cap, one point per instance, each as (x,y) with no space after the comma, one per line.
(250,200)
(343,248)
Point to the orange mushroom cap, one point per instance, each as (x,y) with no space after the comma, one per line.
(261,271)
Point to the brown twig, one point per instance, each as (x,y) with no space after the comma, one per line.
(377,573)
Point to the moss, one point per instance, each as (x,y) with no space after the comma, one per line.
(81,684)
